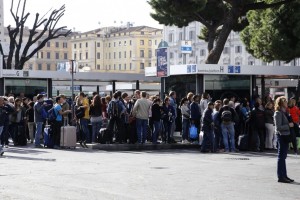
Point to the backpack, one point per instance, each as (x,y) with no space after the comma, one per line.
(44,114)
(226,116)
(52,114)
(79,112)
(114,109)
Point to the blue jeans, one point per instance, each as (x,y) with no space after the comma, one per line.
(38,132)
(185,129)
(141,127)
(282,154)
(208,138)
(157,127)
(96,126)
(85,129)
(228,129)
(1,130)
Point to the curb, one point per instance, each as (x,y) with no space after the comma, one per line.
(140,147)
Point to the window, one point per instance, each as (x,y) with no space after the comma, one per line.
(98,67)
(114,44)
(75,56)
(48,67)
(66,56)
(130,54)
(109,55)
(150,53)
(65,45)
(80,45)
(98,44)
(108,44)
(171,37)
(37,55)
(150,42)
(42,55)
(48,55)
(124,43)
(120,67)
(86,44)
(124,54)
(250,62)
(120,43)
(142,66)
(114,66)
(48,44)
(226,50)
(39,66)
(238,49)
(142,33)
(86,55)
(142,54)
(124,66)
(114,55)
(142,42)
(130,42)
(180,36)
(130,66)
(80,56)
(74,46)
(191,35)
(56,44)
(171,55)
(98,55)
(120,56)
(56,56)
(202,52)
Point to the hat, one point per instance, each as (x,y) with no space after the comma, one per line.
(43,93)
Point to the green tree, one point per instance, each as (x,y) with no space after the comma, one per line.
(219,17)
(274,34)
(43,30)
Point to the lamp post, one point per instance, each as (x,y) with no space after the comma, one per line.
(72,71)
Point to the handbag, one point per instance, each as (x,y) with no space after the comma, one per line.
(193,132)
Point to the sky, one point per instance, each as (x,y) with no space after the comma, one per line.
(86,15)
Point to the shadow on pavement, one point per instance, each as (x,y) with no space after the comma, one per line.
(25,150)
(27,158)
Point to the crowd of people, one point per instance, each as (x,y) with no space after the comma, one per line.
(141,118)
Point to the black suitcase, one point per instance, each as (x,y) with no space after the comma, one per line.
(105,136)
(243,142)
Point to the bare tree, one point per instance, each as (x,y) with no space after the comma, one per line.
(43,30)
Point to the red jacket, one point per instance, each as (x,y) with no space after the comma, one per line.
(295,114)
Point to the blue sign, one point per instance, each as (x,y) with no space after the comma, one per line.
(237,69)
(186,49)
(234,69)
(191,69)
(162,62)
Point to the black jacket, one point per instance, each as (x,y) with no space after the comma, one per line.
(207,120)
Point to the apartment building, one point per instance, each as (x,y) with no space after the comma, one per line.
(116,49)
(1,21)
(234,51)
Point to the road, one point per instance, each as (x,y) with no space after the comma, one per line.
(28,173)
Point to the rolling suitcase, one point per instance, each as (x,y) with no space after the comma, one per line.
(48,137)
(68,137)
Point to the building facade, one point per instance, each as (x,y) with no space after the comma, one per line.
(234,51)
(116,49)
(1,21)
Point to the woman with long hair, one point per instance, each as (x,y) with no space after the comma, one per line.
(96,117)
(282,129)
(185,112)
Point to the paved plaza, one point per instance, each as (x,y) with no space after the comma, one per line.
(28,173)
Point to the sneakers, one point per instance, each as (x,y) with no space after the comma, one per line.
(1,152)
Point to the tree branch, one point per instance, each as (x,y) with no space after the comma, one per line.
(264,5)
